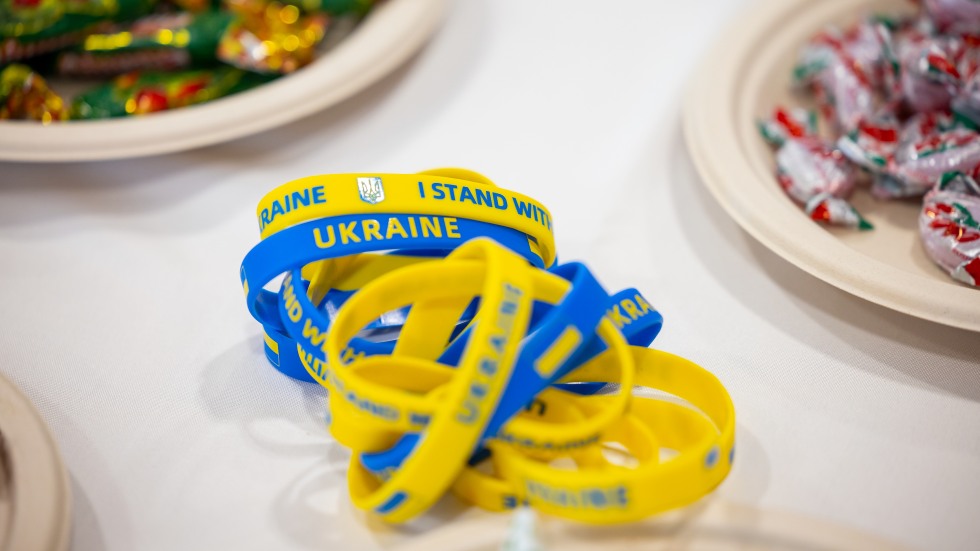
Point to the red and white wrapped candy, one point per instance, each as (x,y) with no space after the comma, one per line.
(954,16)
(920,163)
(809,167)
(843,83)
(950,226)
(873,143)
(827,209)
(902,96)
(930,78)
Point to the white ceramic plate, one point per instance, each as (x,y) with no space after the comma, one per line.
(35,497)
(742,78)
(393,31)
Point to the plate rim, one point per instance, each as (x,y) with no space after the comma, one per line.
(387,37)
(41,519)
(712,104)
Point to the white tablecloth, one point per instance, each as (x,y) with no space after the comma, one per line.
(124,320)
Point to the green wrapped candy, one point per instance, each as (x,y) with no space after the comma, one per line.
(30,28)
(142,93)
(25,95)
(332,7)
(159,43)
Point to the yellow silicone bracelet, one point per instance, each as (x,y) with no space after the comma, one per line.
(391,391)
(471,396)
(542,439)
(620,494)
(492,493)
(430,194)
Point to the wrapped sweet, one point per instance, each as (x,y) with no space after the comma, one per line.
(834,211)
(143,93)
(909,165)
(29,28)
(841,82)
(949,225)
(930,78)
(333,7)
(787,124)
(270,37)
(24,94)
(954,16)
(919,163)
(159,42)
(197,6)
(872,143)
(809,166)
(966,104)
(811,170)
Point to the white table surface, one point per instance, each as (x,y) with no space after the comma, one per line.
(124,320)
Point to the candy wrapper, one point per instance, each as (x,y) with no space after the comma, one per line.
(966,104)
(843,72)
(333,7)
(788,124)
(159,42)
(139,94)
(954,16)
(930,77)
(809,166)
(811,170)
(330,7)
(950,226)
(25,95)
(270,37)
(197,6)
(834,211)
(923,125)
(29,28)
(907,160)
(872,144)
(921,162)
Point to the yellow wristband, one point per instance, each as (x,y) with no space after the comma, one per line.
(391,393)
(542,439)
(419,194)
(487,491)
(470,398)
(620,494)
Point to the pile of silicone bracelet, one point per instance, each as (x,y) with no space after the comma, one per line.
(460,356)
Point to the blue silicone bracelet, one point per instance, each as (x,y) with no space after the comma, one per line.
(580,311)
(297,246)
(304,243)
(639,322)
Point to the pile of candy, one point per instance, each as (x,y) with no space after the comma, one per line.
(161,54)
(902,98)
(460,356)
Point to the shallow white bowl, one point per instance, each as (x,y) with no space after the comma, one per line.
(742,78)
(392,32)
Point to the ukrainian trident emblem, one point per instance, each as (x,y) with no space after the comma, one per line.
(371,190)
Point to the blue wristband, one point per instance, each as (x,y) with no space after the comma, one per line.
(639,322)
(570,324)
(333,237)
(632,314)
(309,242)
